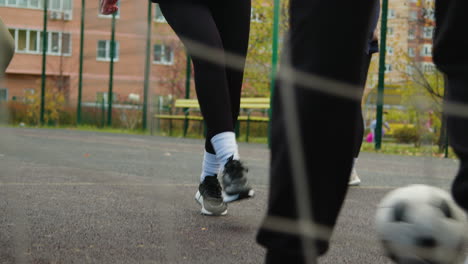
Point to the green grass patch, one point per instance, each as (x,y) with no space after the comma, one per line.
(388,147)
(406,150)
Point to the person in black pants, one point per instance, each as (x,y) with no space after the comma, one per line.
(326,40)
(216,35)
(371,48)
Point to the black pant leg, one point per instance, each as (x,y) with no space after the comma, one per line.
(327,39)
(193,22)
(458,137)
(359,118)
(232,18)
(451,57)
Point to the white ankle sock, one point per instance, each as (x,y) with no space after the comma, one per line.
(210,166)
(354,162)
(225,146)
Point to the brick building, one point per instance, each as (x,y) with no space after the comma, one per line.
(409,47)
(24,18)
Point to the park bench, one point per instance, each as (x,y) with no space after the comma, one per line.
(189,109)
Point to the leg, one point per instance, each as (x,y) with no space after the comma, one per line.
(451,56)
(7,47)
(354,179)
(359,118)
(232,18)
(194,24)
(316,51)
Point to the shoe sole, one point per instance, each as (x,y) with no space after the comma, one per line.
(199,199)
(354,183)
(229,198)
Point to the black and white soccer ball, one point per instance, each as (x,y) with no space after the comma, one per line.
(420,224)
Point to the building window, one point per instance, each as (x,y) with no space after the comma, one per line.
(117,14)
(409,69)
(428,67)
(411,52)
(426,50)
(103,96)
(390,31)
(29,95)
(429,13)
(53,5)
(428,32)
(411,33)
(30,41)
(413,15)
(158,15)
(3,94)
(256,16)
(391,13)
(163,54)
(388,68)
(104,50)
(390,50)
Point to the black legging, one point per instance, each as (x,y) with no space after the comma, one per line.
(207,27)
(359,118)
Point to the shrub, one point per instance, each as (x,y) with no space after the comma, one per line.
(17,112)
(407,135)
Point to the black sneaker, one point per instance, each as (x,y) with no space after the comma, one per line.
(209,197)
(236,186)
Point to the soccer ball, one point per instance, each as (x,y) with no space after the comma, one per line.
(421,224)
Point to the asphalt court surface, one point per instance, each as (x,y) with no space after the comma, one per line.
(85,197)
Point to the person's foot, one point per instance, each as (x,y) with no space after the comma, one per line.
(209,197)
(354,179)
(235,183)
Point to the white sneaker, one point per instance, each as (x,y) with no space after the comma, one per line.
(354,180)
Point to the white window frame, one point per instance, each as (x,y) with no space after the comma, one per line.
(413,15)
(411,52)
(163,62)
(105,96)
(161,18)
(391,13)
(388,68)
(255,17)
(411,33)
(40,5)
(429,13)
(428,32)
(390,31)
(6,94)
(428,67)
(39,42)
(426,50)
(107,50)
(390,50)
(409,69)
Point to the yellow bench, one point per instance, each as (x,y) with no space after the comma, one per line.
(188,106)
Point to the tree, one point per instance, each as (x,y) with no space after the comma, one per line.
(174,75)
(257,75)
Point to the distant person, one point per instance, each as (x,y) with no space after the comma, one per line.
(373,127)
